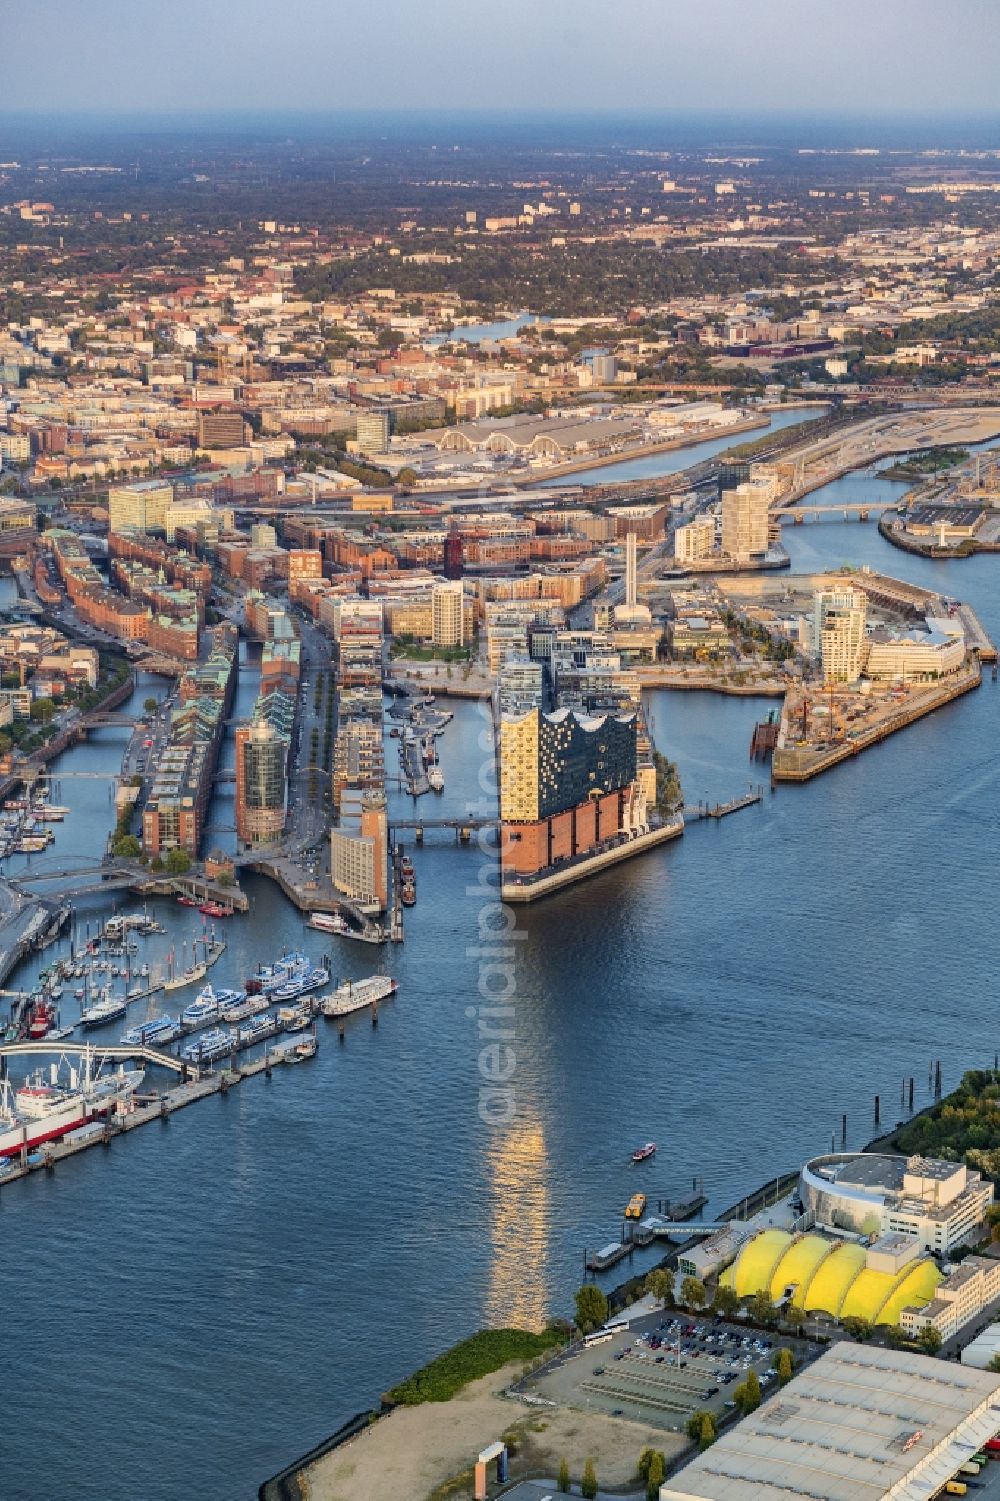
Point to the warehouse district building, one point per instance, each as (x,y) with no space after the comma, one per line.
(860,1424)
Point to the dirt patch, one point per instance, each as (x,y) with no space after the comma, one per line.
(416,1449)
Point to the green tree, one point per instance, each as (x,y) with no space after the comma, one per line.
(762,1309)
(785,1365)
(793,1316)
(406,478)
(747,1394)
(930,1339)
(178,862)
(994,1364)
(693,1425)
(725,1301)
(150,705)
(42,710)
(859,1329)
(655,1478)
(707,1432)
(591,1307)
(660,1284)
(126,847)
(563,1481)
(693,1294)
(588,1481)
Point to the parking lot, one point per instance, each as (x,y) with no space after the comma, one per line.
(663,1368)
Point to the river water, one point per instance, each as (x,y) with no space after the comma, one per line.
(187,1311)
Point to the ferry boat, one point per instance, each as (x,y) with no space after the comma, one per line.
(215,909)
(301,984)
(329,922)
(354,995)
(204,1008)
(641,1153)
(408,894)
(435,777)
(243,1007)
(110,1008)
(187,901)
(208,1047)
(257,1030)
(154,1034)
(268,977)
(43,1110)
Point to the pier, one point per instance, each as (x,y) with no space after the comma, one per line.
(723,810)
(799,763)
(160,1107)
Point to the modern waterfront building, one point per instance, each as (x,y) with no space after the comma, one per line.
(567,785)
(448,613)
(519,685)
(261,782)
(359,851)
(940,1204)
(861,1421)
(839,618)
(746,519)
(913,656)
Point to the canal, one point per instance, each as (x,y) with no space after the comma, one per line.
(188,1310)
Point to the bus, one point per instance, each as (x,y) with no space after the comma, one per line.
(955,1488)
(602,1336)
(636,1207)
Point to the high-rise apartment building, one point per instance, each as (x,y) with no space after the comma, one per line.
(695,541)
(374,428)
(141,506)
(746,520)
(448,614)
(839,639)
(261,782)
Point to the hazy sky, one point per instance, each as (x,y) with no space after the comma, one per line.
(869,56)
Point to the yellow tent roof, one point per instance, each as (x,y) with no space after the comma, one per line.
(914,1287)
(754,1265)
(798,1266)
(832,1281)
